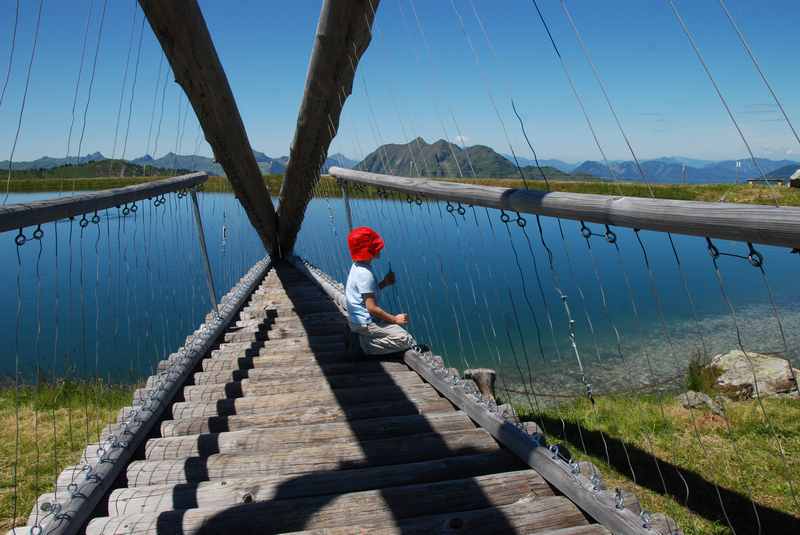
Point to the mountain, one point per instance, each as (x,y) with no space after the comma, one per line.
(681,160)
(443,159)
(46,162)
(785,171)
(338,160)
(671,170)
(558,164)
(267,165)
(97,169)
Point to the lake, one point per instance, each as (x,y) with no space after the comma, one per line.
(115,297)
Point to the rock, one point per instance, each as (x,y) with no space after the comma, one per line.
(735,371)
(507,411)
(699,400)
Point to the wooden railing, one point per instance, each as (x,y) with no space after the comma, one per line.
(769,225)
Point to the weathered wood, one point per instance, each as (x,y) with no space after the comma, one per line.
(231,492)
(317,458)
(728,221)
(596,502)
(253,440)
(543,516)
(279,373)
(374,507)
(29,214)
(184,37)
(343,34)
(302,415)
(484,379)
(291,385)
(344,397)
(228,362)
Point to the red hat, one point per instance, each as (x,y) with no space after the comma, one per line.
(364,244)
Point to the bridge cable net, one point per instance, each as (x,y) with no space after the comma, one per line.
(102,287)
(580,319)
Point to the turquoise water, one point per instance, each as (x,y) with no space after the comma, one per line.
(116,297)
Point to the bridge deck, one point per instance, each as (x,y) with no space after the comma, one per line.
(283,431)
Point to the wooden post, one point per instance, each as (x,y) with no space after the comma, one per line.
(183,34)
(343,34)
(484,378)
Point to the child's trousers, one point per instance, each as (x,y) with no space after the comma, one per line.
(383,338)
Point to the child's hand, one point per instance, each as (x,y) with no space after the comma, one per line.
(389,279)
(401,319)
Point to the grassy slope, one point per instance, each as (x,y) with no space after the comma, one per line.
(55,424)
(738,459)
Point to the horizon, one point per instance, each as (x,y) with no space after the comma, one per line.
(662,96)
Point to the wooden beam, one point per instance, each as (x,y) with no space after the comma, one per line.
(181,29)
(343,34)
(19,216)
(755,223)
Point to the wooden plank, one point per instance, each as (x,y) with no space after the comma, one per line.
(482,521)
(527,515)
(344,397)
(254,440)
(307,371)
(78,506)
(343,34)
(302,415)
(227,362)
(249,387)
(184,37)
(373,507)
(317,458)
(28,214)
(231,492)
(597,502)
(728,221)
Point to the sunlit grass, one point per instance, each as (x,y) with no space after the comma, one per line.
(743,458)
(47,428)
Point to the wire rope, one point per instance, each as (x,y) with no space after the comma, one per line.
(10,53)
(24,98)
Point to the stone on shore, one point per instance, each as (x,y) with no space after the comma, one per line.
(774,376)
(699,400)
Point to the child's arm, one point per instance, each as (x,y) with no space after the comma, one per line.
(388,280)
(377,312)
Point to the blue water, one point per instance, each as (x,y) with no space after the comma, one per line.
(482,292)
(116,297)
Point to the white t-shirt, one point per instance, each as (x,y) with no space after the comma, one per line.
(360,281)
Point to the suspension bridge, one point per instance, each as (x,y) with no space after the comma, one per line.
(268,418)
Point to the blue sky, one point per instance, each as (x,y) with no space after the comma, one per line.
(662,95)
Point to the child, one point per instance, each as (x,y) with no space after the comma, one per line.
(379,332)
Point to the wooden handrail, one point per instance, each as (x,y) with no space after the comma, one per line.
(755,223)
(19,216)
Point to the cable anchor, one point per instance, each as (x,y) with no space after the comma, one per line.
(586,232)
(611,236)
(755,258)
(504,217)
(521,222)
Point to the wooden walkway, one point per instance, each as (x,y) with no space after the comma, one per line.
(283,431)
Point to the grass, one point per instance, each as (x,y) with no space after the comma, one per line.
(56,421)
(741,460)
(741,193)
